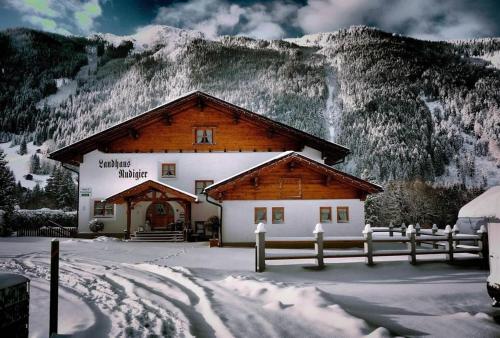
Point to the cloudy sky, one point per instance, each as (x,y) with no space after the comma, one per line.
(268,19)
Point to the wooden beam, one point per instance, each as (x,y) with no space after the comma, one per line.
(200,103)
(270,133)
(167,118)
(328,180)
(292,165)
(133,133)
(236,117)
(103,147)
(255,181)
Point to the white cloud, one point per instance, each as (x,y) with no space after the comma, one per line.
(218,17)
(426,19)
(59,16)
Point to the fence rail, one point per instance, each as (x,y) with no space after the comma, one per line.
(447,242)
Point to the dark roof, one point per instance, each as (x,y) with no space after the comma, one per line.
(70,154)
(291,155)
(8,279)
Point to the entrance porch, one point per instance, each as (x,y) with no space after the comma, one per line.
(159,211)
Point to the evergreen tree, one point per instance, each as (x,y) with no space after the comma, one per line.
(35,164)
(7,186)
(23,148)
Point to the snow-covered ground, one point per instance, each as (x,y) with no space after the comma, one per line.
(119,289)
(20,164)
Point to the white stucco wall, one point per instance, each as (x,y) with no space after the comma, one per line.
(300,218)
(105,182)
(494,252)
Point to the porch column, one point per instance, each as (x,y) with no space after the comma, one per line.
(129,218)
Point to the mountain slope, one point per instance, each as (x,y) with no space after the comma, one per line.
(407,108)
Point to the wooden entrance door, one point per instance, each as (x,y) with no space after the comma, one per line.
(159,215)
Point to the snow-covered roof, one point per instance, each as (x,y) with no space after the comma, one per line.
(73,153)
(349,178)
(227,179)
(485,205)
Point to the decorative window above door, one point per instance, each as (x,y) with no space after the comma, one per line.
(204,135)
(199,185)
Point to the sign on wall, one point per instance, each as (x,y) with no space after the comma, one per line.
(123,168)
(85,192)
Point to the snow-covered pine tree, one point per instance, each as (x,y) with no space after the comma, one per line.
(8,195)
(23,148)
(35,164)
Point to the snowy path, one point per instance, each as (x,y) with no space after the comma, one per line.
(136,290)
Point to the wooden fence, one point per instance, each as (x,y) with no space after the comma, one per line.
(448,242)
(53,230)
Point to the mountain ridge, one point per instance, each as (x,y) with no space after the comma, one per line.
(370,90)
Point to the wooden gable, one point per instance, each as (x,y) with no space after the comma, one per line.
(171,128)
(292,177)
(228,134)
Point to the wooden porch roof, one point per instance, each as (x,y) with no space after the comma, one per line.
(292,157)
(146,187)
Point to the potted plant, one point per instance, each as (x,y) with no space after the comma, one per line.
(96,225)
(213,223)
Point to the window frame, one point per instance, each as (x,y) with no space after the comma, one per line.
(168,164)
(103,215)
(273,209)
(347,213)
(330,212)
(195,129)
(199,181)
(255,220)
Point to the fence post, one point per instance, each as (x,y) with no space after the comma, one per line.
(455,231)
(434,233)
(411,245)
(417,232)
(403,229)
(483,245)
(391,229)
(260,242)
(368,245)
(449,242)
(318,245)
(54,286)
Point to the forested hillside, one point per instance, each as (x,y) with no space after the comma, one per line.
(410,111)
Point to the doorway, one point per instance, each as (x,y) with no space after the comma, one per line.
(160,215)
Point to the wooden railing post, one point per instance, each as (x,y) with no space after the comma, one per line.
(391,229)
(318,245)
(411,245)
(54,286)
(260,243)
(455,230)
(483,245)
(403,229)
(449,242)
(434,233)
(368,244)
(417,232)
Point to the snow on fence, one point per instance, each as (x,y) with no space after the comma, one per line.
(447,242)
(47,231)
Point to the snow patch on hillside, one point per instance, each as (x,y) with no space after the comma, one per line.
(168,40)
(20,164)
(66,86)
(493,58)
